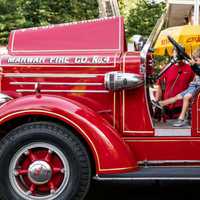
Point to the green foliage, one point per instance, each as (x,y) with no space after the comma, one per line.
(122,7)
(143,17)
(140,17)
(10,18)
(15,14)
(42,12)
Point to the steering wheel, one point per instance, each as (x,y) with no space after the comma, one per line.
(182,55)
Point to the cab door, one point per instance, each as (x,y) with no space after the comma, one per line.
(136,119)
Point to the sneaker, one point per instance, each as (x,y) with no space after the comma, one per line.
(156,104)
(180,123)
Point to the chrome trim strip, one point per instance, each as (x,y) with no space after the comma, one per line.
(4,98)
(144,178)
(36,75)
(56,83)
(172,132)
(63,91)
(151,40)
(149,162)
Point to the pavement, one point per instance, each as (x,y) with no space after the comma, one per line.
(153,190)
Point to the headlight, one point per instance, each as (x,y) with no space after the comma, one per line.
(119,81)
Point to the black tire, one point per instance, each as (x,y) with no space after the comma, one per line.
(61,138)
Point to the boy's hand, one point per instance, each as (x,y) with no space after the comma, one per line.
(197,60)
(193,61)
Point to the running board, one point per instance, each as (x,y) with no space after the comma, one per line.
(154,173)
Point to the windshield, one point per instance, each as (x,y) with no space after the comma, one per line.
(153,36)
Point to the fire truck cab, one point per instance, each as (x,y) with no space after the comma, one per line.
(75,106)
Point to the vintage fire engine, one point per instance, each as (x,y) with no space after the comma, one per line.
(76,106)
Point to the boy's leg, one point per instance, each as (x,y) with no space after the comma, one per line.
(181,120)
(186,101)
(170,100)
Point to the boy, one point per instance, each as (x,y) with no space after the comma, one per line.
(187,94)
(172,82)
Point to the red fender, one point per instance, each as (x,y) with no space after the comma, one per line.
(110,152)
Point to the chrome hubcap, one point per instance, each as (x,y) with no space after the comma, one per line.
(39,172)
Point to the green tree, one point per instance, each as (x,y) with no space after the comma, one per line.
(43,12)
(10,18)
(16,14)
(142,18)
(122,7)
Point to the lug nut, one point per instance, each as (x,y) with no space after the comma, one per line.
(53,191)
(26,152)
(50,151)
(28,193)
(16,173)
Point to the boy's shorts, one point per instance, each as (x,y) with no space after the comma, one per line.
(190,90)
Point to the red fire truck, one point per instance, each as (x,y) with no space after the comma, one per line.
(76,106)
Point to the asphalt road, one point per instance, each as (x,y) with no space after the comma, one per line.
(146,191)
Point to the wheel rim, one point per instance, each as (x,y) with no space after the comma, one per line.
(39,171)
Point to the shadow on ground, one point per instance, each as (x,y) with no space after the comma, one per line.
(179,190)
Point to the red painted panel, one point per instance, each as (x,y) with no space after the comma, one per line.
(95,35)
(136,119)
(105,107)
(173,148)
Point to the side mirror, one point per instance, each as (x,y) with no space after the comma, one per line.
(136,43)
